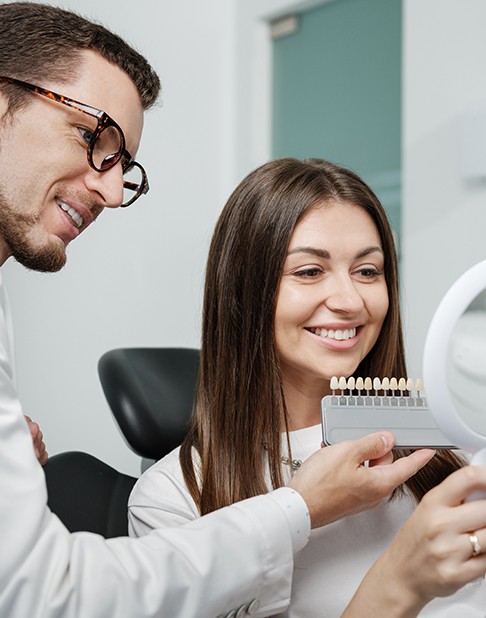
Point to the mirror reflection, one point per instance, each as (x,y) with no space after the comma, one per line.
(466,368)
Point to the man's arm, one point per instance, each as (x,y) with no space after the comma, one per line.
(237,557)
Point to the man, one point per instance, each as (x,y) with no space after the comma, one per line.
(72,97)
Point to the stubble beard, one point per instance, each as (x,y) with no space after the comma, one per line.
(16,229)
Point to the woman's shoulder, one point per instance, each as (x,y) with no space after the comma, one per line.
(162,474)
(160,497)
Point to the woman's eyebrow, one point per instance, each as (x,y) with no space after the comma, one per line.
(312,251)
(323,253)
(369,250)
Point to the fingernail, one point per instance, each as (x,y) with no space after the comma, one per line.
(386,439)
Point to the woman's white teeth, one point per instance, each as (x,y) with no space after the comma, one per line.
(75,216)
(338,334)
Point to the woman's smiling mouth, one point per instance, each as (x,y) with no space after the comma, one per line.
(337,334)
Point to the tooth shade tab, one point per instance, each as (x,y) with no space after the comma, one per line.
(385,399)
(387,385)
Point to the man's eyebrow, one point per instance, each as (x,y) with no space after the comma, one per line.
(323,253)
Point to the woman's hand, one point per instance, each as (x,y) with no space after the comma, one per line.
(335,483)
(433,553)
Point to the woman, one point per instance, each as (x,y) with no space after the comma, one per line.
(301,285)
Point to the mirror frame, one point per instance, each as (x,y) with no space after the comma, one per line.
(436,354)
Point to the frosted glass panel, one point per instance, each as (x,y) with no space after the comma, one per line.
(337,92)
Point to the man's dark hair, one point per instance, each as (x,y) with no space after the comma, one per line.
(41,42)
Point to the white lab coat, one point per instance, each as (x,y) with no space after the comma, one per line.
(235,561)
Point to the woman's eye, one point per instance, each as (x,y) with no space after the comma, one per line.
(86,134)
(308,273)
(369,273)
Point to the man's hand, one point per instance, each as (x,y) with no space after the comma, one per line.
(37,439)
(335,482)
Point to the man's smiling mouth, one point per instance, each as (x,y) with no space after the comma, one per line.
(74,215)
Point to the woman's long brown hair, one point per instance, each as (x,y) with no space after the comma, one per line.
(239,396)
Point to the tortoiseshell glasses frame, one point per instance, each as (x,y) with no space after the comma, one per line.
(106,146)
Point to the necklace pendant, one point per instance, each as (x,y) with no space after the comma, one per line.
(294,463)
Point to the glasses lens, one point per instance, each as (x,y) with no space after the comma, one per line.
(132,184)
(107,148)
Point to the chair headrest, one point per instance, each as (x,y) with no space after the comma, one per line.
(150,392)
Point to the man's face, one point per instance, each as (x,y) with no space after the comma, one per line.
(48,192)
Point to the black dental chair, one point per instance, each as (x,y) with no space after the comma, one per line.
(150,392)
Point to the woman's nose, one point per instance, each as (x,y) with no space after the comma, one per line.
(343,295)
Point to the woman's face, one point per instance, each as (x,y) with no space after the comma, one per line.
(332,298)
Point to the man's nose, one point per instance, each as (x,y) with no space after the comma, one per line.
(108,185)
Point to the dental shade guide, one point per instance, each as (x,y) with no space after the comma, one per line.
(388,404)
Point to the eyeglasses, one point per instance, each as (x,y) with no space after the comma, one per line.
(106,146)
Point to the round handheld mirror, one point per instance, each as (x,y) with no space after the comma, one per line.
(454,363)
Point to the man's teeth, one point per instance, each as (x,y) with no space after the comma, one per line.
(75,216)
(338,334)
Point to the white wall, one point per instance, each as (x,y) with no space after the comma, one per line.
(444,217)
(135,279)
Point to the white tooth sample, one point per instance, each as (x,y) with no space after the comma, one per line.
(393,384)
(419,385)
(359,384)
(368,384)
(402,385)
(385,383)
(334,383)
(342,383)
(351,383)
(409,385)
(376,384)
